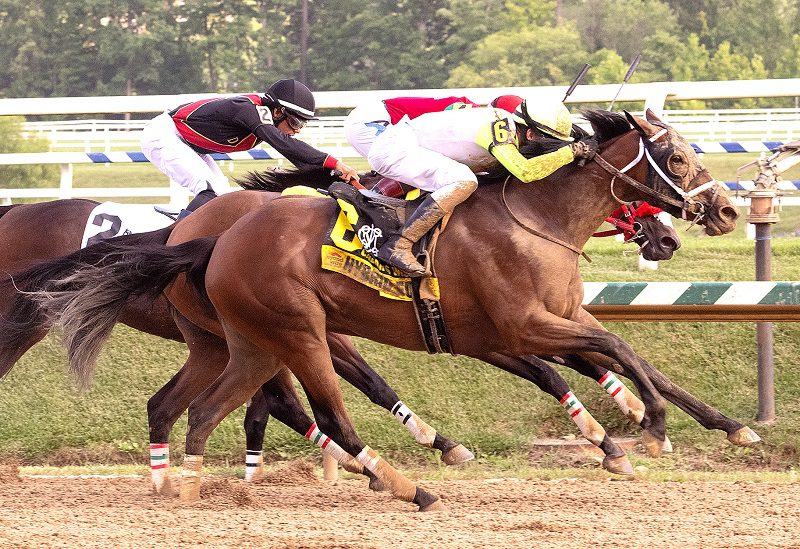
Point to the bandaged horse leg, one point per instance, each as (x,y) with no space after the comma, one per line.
(278,397)
(626,400)
(548,380)
(705,414)
(397,249)
(352,367)
(207,356)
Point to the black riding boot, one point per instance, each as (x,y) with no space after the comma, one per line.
(396,251)
(202,198)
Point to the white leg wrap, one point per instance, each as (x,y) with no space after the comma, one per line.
(590,429)
(253,462)
(423,433)
(159,465)
(369,458)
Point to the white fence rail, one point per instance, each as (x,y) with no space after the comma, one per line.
(328,131)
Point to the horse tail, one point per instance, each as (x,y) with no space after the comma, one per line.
(88,302)
(279,180)
(32,312)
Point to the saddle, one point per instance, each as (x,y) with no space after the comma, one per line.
(366,219)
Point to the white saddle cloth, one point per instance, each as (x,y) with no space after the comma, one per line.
(111,219)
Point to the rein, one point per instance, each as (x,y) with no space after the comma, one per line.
(624,220)
(536,232)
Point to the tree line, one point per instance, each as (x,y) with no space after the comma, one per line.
(125,47)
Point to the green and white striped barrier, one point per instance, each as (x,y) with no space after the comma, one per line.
(694,301)
(691,293)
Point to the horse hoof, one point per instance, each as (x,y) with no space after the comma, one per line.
(619,465)
(457,455)
(653,445)
(744,437)
(190,492)
(435,506)
(667,446)
(377,485)
(257,474)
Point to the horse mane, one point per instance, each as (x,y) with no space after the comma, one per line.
(606,124)
(278,180)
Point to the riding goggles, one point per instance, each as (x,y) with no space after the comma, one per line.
(295,122)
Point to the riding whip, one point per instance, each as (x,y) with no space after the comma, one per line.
(577,81)
(631,70)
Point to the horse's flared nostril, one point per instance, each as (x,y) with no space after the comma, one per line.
(670,243)
(729,213)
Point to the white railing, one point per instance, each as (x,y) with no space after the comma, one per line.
(328,132)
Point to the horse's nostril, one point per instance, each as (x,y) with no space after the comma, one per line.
(730,213)
(670,243)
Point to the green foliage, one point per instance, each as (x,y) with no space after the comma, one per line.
(115,47)
(12,141)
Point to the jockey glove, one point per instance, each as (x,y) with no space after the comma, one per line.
(585,148)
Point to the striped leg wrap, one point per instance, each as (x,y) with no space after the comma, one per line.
(620,394)
(159,464)
(253,461)
(423,433)
(590,429)
(327,444)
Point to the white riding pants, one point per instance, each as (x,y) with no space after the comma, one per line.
(364,124)
(163,146)
(396,153)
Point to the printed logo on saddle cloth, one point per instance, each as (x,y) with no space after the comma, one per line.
(350,247)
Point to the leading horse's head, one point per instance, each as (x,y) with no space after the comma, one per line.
(676,179)
(675,169)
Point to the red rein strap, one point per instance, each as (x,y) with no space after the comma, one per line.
(624,217)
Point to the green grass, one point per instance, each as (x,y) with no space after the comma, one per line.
(44,420)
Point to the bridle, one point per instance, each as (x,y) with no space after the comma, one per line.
(687,205)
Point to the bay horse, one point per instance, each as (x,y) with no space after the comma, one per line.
(60,229)
(264,272)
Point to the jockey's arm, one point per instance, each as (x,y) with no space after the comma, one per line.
(500,139)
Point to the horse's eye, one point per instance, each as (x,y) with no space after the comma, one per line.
(678,165)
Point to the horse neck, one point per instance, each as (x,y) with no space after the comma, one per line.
(568,205)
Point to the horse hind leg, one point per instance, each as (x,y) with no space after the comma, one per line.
(277,397)
(243,375)
(352,367)
(536,371)
(208,355)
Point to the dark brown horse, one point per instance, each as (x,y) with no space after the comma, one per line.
(264,272)
(61,231)
(43,231)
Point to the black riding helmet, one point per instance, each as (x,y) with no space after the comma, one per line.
(293,96)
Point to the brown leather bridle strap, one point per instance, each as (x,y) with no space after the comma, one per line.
(537,232)
(633,183)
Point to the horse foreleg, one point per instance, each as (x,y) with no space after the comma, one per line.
(548,380)
(705,414)
(279,398)
(557,336)
(626,400)
(352,367)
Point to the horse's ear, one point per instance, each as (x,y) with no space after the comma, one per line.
(651,116)
(641,125)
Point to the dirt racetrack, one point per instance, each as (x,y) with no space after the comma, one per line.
(298,510)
